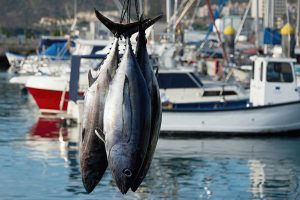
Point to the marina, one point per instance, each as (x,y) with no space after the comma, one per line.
(185,99)
(43,154)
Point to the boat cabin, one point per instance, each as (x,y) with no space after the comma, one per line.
(185,86)
(273,81)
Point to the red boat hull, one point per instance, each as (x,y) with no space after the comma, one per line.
(50,101)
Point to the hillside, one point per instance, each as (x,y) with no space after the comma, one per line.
(23,13)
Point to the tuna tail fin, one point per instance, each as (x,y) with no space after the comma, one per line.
(125,30)
(150,22)
(118,29)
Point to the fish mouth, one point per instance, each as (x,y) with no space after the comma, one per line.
(89,183)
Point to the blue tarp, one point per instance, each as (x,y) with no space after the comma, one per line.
(58,50)
(272,36)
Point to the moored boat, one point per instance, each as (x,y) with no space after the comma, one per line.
(273,107)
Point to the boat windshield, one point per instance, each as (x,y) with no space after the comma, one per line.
(279,72)
(178,80)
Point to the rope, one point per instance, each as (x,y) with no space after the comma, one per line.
(137,9)
(124,10)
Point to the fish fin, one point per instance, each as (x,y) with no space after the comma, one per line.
(82,134)
(91,78)
(126,30)
(109,76)
(100,134)
(117,29)
(156,72)
(127,113)
(150,22)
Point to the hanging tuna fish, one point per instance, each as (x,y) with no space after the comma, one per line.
(122,108)
(156,109)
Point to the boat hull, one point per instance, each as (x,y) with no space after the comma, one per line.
(261,120)
(50,101)
(51,94)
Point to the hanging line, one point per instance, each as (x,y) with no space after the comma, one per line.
(137,9)
(128,11)
(124,10)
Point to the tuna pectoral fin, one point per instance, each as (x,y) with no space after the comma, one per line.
(109,76)
(100,134)
(127,111)
(82,134)
(91,78)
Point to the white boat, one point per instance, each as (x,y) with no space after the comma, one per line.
(46,66)
(273,108)
(274,118)
(51,94)
(56,57)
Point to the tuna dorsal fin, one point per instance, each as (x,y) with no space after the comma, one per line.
(91,78)
(100,134)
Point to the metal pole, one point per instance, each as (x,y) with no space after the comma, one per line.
(257,39)
(297,24)
(75,8)
(266,21)
(175,16)
(242,23)
(168,7)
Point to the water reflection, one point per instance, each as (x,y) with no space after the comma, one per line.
(182,169)
(49,135)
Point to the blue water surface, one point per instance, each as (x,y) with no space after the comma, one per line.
(39,159)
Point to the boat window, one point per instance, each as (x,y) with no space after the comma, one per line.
(298,58)
(176,80)
(261,71)
(253,70)
(279,72)
(214,93)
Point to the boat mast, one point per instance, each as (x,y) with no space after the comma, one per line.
(257,39)
(266,21)
(242,22)
(217,30)
(175,16)
(297,24)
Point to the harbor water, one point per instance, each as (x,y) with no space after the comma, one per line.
(39,159)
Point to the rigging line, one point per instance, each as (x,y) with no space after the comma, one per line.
(218,33)
(128,11)
(124,10)
(137,9)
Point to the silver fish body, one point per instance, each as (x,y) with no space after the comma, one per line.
(156,108)
(93,159)
(127,121)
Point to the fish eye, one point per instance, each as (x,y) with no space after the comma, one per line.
(127,172)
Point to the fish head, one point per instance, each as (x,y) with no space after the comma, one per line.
(122,162)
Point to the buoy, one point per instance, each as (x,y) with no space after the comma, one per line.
(287,29)
(229,30)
